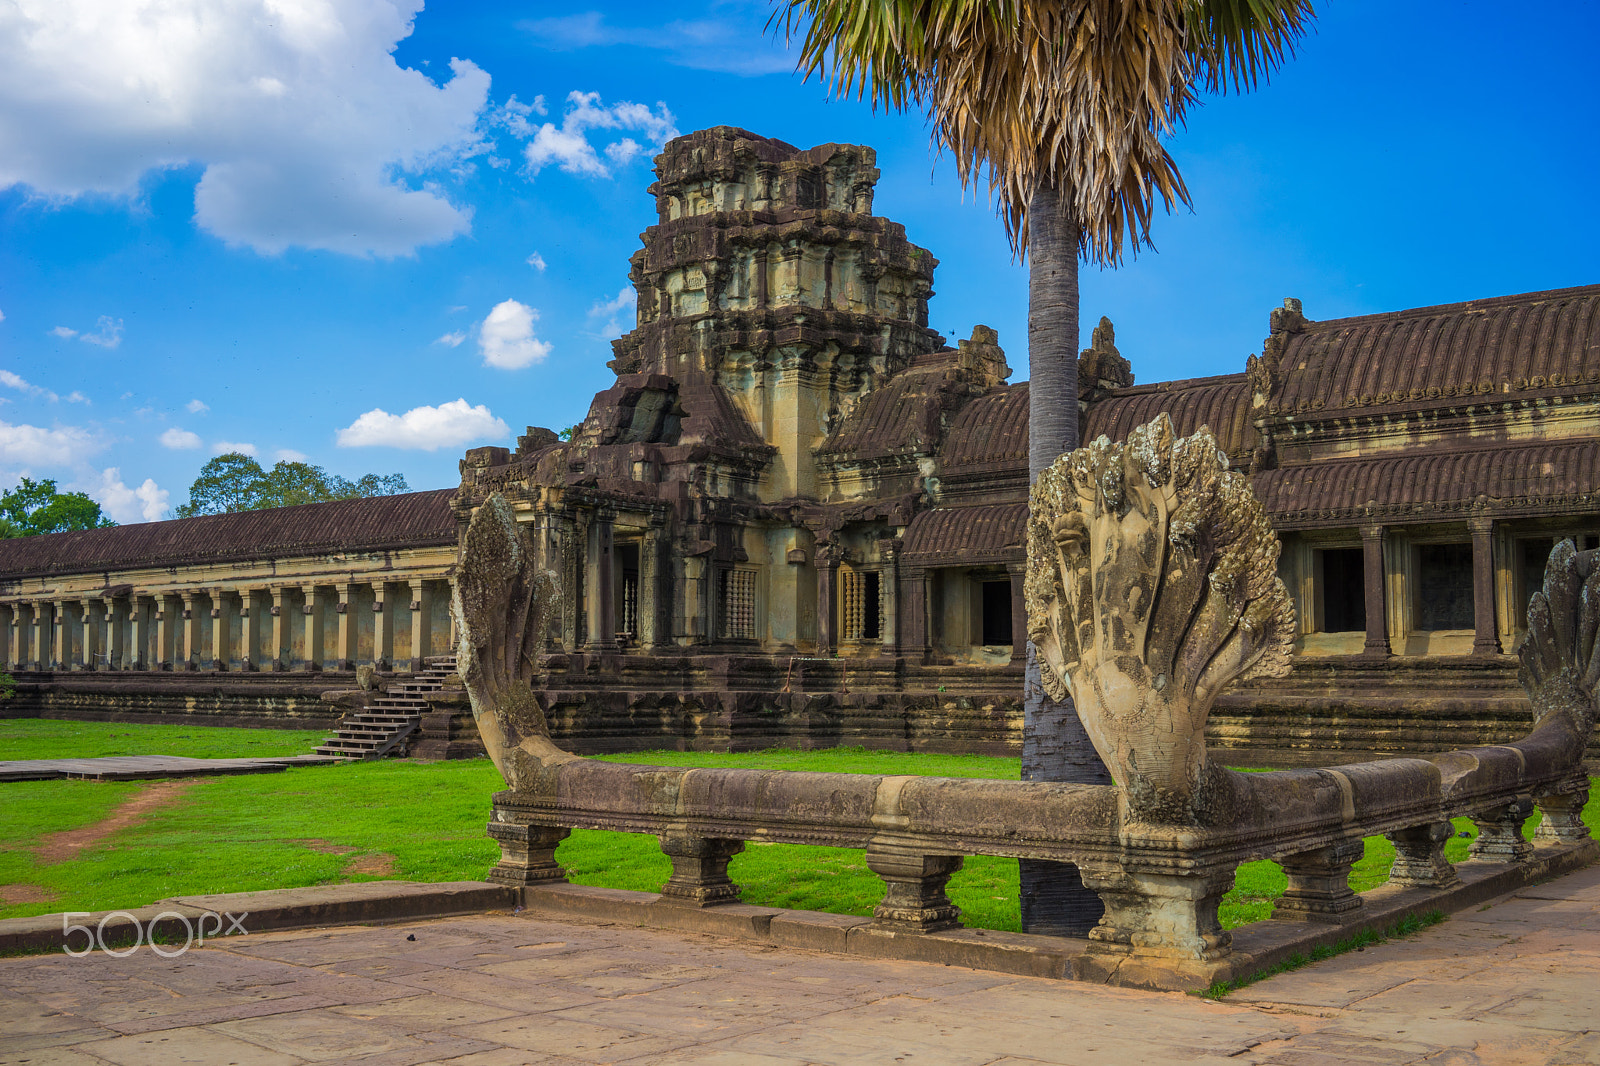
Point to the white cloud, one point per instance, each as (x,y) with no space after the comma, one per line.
(568,146)
(452,340)
(506,337)
(147,503)
(289,455)
(196,407)
(537,262)
(179,439)
(223,447)
(108,333)
(34,446)
(611,311)
(309,133)
(733,45)
(15,381)
(64,332)
(450,425)
(2,316)
(77,397)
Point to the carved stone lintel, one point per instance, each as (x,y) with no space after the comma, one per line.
(1319,884)
(699,869)
(1162,915)
(527,854)
(913,898)
(1563,818)
(1419,860)
(1500,836)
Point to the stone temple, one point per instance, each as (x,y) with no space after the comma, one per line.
(798,516)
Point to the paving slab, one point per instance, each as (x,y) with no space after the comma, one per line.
(1518,983)
(144,767)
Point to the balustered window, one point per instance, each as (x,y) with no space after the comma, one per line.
(736,603)
(860,605)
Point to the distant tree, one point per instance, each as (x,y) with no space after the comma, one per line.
(35,507)
(569,432)
(236,482)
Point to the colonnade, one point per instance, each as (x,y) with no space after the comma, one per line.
(307,626)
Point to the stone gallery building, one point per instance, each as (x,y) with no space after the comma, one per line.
(797,516)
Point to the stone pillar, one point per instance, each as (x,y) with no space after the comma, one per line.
(827,609)
(312,613)
(32,638)
(1377,645)
(1019,614)
(349,626)
(282,620)
(166,632)
(653,625)
(116,646)
(249,630)
(191,631)
(914,882)
(889,589)
(1419,856)
(382,627)
(221,630)
(602,584)
(1563,816)
(60,636)
(140,656)
(527,854)
(1319,884)
(1500,836)
(699,869)
(1485,637)
(86,618)
(915,646)
(8,643)
(421,623)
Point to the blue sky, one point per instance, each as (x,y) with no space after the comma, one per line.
(375,235)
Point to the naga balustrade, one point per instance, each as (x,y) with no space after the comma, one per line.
(1151,586)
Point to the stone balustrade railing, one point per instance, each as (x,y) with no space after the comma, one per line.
(1151,586)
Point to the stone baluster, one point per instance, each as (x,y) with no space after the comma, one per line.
(699,869)
(312,613)
(1319,884)
(421,623)
(1500,836)
(282,628)
(349,626)
(1563,815)
(1159,913)
(1485,638)
(914,899)
(221,629)
(1419,860)
(527,854)
(382,628)
(1377,643)
(192,629)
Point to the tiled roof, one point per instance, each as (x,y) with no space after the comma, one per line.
(1222,403)
(1438,356)
(904,415)
(987,533)
(414,519)
(991,429)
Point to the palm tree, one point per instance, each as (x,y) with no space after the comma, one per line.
(1064,106)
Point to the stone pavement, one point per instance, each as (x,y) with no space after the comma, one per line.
(1516,982)
(139,767)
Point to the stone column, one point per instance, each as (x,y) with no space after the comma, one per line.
(1500,836)
(32,638)
(192,626)
(60,636)
(1377,644)
(652,594)
(1485,637)
(116,646)
(140,657)
(166,632)
(914,900)
(699,869)
(527,854)
(915,646)
(221,630)
(1419,856)
(282,620)
(8,644)
(1019,614)
(421,623)
(602,583)
(1319,884)
(382,628)
(349,628)
(249,630)
(889,590)
(88,625)
(312,613)
(827,608)
(1563,815)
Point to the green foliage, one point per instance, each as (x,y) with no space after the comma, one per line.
(236,482)
(35,507)
(569,432)
(8,686)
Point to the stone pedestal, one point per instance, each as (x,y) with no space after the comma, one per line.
(913,898)
(1419,860)
(699,869)
(1500,836)
(1563,817)
(1319,884)
(527,853)
(1159,914)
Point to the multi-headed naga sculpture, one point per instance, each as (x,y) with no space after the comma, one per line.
(1152,584)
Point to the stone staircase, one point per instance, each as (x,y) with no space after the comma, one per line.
(392,717)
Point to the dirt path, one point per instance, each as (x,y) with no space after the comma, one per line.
(69,843)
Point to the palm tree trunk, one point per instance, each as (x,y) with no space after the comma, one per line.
(1054,744)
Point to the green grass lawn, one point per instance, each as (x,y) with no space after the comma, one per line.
(425,822)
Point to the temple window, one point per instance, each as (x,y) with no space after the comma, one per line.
(860,604)
(1341,595)
(627,592)
(736,604)
(1444,587)
(995,608)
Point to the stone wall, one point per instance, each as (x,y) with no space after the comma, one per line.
(265,700)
